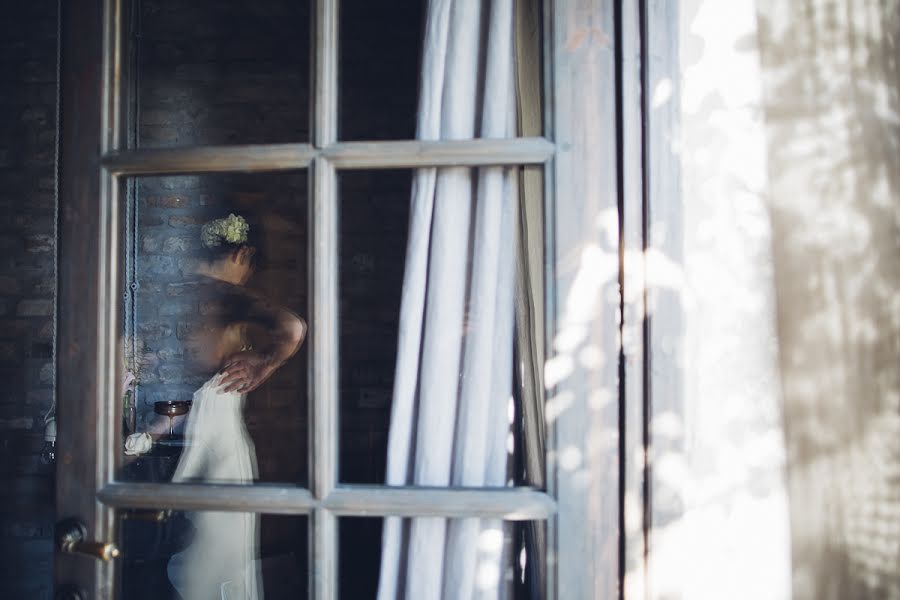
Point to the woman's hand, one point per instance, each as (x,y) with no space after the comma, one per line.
(245,371)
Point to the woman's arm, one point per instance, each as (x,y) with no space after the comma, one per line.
(284,333)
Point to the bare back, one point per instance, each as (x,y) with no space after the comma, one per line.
(229,316)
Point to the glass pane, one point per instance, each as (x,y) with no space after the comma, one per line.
(216,273)
(462,400)
(374,219)
(494,558)
(171,555)
(219,72)
(384,72)
(379,73)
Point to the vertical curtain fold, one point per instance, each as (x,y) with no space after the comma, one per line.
(403,409)
(453,382)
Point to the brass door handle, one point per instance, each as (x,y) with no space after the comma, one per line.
(71,537)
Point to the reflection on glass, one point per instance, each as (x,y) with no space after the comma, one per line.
(440,313)
(213,330)
(379,74)
(498,560)
(170,555)
(219,72)
(374,219)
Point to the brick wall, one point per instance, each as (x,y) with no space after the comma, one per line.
(227,72)
(27,248)
(222,72)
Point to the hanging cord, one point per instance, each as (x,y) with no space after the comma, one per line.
(51,412)
(133,200)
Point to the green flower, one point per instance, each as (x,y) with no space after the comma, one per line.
(232,229)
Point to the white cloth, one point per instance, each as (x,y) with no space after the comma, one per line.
(219,562)
(453,382)
(138,443)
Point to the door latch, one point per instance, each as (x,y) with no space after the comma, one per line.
(71,537)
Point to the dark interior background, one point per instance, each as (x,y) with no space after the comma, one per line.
(27,289)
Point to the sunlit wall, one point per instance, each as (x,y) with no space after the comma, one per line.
(774,269)
(719,517)
(832,112)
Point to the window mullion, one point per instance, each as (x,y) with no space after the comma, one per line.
(210,159)
(324,556)
(324,381)
(510,504)
(439,153)
(269,499)
(323,257)
(324,331)
(324,82)
(583,457)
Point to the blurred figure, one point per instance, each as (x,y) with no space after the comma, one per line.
(241,341)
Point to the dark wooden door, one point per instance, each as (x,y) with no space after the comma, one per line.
(87,315)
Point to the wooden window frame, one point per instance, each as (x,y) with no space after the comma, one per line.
(581,502)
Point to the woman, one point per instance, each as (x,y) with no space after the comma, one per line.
(241,340)
(233,315)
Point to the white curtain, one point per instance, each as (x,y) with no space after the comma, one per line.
(453,381)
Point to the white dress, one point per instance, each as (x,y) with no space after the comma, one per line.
(220,561)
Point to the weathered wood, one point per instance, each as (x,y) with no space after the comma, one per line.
(515,504)
(210,159)
(324,395)
(269,499)
(325,78)
(408,154)
(581,371)
(665,217)
(323,581)
(109,360)
(86,359)
(634,297)
(344,155)
(112,99)
(548,61)
(323,265)
(323,257)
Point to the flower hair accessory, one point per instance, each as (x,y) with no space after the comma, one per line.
(232,229)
